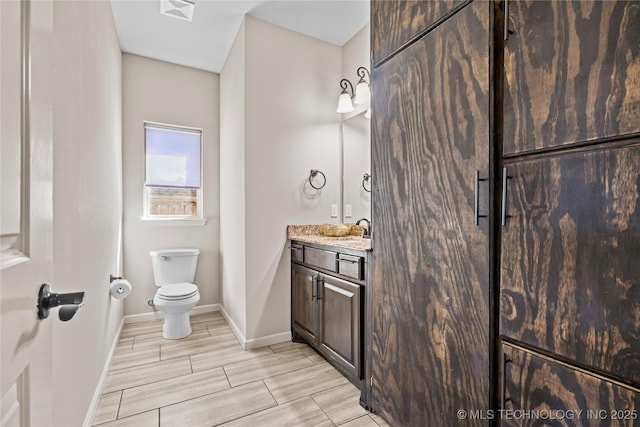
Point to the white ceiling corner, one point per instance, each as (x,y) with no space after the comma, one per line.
(205,42)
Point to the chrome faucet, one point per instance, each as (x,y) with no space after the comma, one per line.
(367,229)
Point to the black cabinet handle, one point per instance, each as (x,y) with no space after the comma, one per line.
(320,287)
(314,288)
(503,386)
(507,31)
(476,215)
(505,177)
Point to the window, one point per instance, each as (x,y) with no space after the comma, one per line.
(173,172)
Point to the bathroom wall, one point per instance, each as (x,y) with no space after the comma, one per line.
(290,127)
(232,179)
(87,194)
(172,94)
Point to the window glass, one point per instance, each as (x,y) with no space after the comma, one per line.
(172,172)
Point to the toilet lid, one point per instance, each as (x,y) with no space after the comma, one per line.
(177,291)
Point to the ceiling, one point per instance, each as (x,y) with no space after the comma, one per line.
(205,42)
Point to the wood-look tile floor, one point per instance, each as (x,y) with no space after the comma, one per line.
(207,380)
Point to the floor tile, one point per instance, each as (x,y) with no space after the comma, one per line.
(378,419)
(199,345)
(145,374)
(108,407)
(155,340)
(129,358)
(364,421)
(218,408)
(140,328)
(124,345)
(162,393)
(303,412)
(288,345)
(341,403)
(187,382)
(225,356)
(303,382)
(266,366)
(148,419)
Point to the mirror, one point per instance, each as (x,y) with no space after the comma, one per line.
(356,162)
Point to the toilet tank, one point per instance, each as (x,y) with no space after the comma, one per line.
(174,265)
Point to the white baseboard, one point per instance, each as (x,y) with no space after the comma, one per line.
(267,340)
(95,401)
(250,344)
(234,328)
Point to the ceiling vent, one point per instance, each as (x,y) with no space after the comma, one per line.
(181,9)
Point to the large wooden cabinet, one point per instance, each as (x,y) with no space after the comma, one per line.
(430,141)
(506,211)
(569,286)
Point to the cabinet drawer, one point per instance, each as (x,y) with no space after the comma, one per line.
(350,266)
(321,259)
(297,252)
(533,382)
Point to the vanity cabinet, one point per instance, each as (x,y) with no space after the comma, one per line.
(327,297)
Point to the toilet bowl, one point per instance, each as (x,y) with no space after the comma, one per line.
(173,272)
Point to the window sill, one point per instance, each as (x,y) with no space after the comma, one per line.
(170,222)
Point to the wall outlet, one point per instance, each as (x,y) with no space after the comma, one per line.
(347,211)
(334,211)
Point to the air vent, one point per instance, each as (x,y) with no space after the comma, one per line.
(181,9)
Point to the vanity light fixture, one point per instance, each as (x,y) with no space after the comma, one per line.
(344,102)
(361,94)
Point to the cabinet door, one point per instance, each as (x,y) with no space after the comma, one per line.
(570,272)
(430,134)
(304,311)
(551,393)
(571,72)
(340,337)
(395,22)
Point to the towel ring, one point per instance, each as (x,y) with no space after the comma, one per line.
(313,174)
(365,178)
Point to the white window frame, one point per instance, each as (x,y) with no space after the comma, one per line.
(172,219)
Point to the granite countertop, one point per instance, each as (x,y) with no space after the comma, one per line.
(311,234)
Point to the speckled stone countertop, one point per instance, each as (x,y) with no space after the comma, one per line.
(311,234)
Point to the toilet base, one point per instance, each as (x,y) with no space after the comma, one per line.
(176,326)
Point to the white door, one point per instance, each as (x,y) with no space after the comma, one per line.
(26,211)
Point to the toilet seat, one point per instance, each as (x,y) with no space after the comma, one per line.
(177,291)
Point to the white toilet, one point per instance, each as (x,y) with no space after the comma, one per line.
(173,273)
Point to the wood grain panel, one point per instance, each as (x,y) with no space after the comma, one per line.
(572,73)
(304,316)
(430,134)
(340,314)
(395,22)
(540,391)
(570,272)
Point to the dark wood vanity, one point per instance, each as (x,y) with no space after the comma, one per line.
(328,298)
